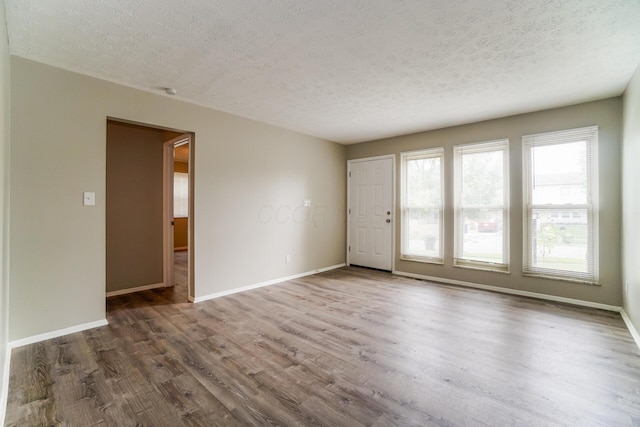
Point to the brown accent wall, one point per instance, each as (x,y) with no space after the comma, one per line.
(180,226)
(180,234)
(181,167)
(133,206)
(169,134)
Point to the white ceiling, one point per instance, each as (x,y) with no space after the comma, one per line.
(344,70)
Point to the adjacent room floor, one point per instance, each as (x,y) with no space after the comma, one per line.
(347,347)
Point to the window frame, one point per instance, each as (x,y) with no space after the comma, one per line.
(590,135)
(429,153)
(459,151)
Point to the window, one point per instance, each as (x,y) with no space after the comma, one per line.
(180,195)
(481,205)
(422,198)
(560,175)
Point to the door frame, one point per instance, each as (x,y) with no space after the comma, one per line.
(168,221)
(167,211)
(392,157)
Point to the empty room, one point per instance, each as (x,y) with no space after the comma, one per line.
(356,213)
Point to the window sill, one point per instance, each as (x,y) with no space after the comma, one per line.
(437,261)
(561,278)
(497,268)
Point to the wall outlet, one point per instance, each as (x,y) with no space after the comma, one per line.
(89,198)
(626,287)
(287,258)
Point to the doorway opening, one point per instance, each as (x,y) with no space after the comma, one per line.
(149,195)
(180,211)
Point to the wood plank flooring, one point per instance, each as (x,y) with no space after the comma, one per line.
(348,347)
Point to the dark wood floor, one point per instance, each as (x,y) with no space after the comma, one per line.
(160,296)
(348,347)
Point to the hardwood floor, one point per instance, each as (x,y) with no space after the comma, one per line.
(347,347)
(159,296)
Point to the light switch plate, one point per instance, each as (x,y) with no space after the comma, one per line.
(306,203)
(89,198)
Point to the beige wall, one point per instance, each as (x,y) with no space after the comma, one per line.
(243,171)
(134,206)
(631,198)
(4,151)
(606,114)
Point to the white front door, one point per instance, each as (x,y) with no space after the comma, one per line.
(371,213)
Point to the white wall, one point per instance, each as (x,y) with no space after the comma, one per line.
(244,170)
(606,114)
(4,147)
(631,198)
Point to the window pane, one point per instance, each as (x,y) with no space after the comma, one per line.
(422,232)
(482,179)
(180,195)
(482,238)
(421,226)
(560,173)
(560,242)
(561,199)
(423,182)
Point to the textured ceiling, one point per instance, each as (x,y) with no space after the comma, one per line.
(344,70)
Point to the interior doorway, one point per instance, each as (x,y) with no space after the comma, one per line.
(146,167)
(178,151)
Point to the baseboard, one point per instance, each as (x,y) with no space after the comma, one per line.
(631,327)
(132,290)
(181,248)
(513,291)
(262,284)
(4,391)
(56,334)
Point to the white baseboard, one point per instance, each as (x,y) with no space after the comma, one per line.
(4,391)
(56,334)
(262,284)
(513,291)
(631,327)
(136,289)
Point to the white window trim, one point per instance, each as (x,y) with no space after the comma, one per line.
(429,153)
(553,138)
(479,147)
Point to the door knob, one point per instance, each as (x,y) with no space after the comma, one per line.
(388,220)
(388,212)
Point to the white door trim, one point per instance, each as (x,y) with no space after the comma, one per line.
(168,273)
(393,204)
(168,276)
(191,223)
